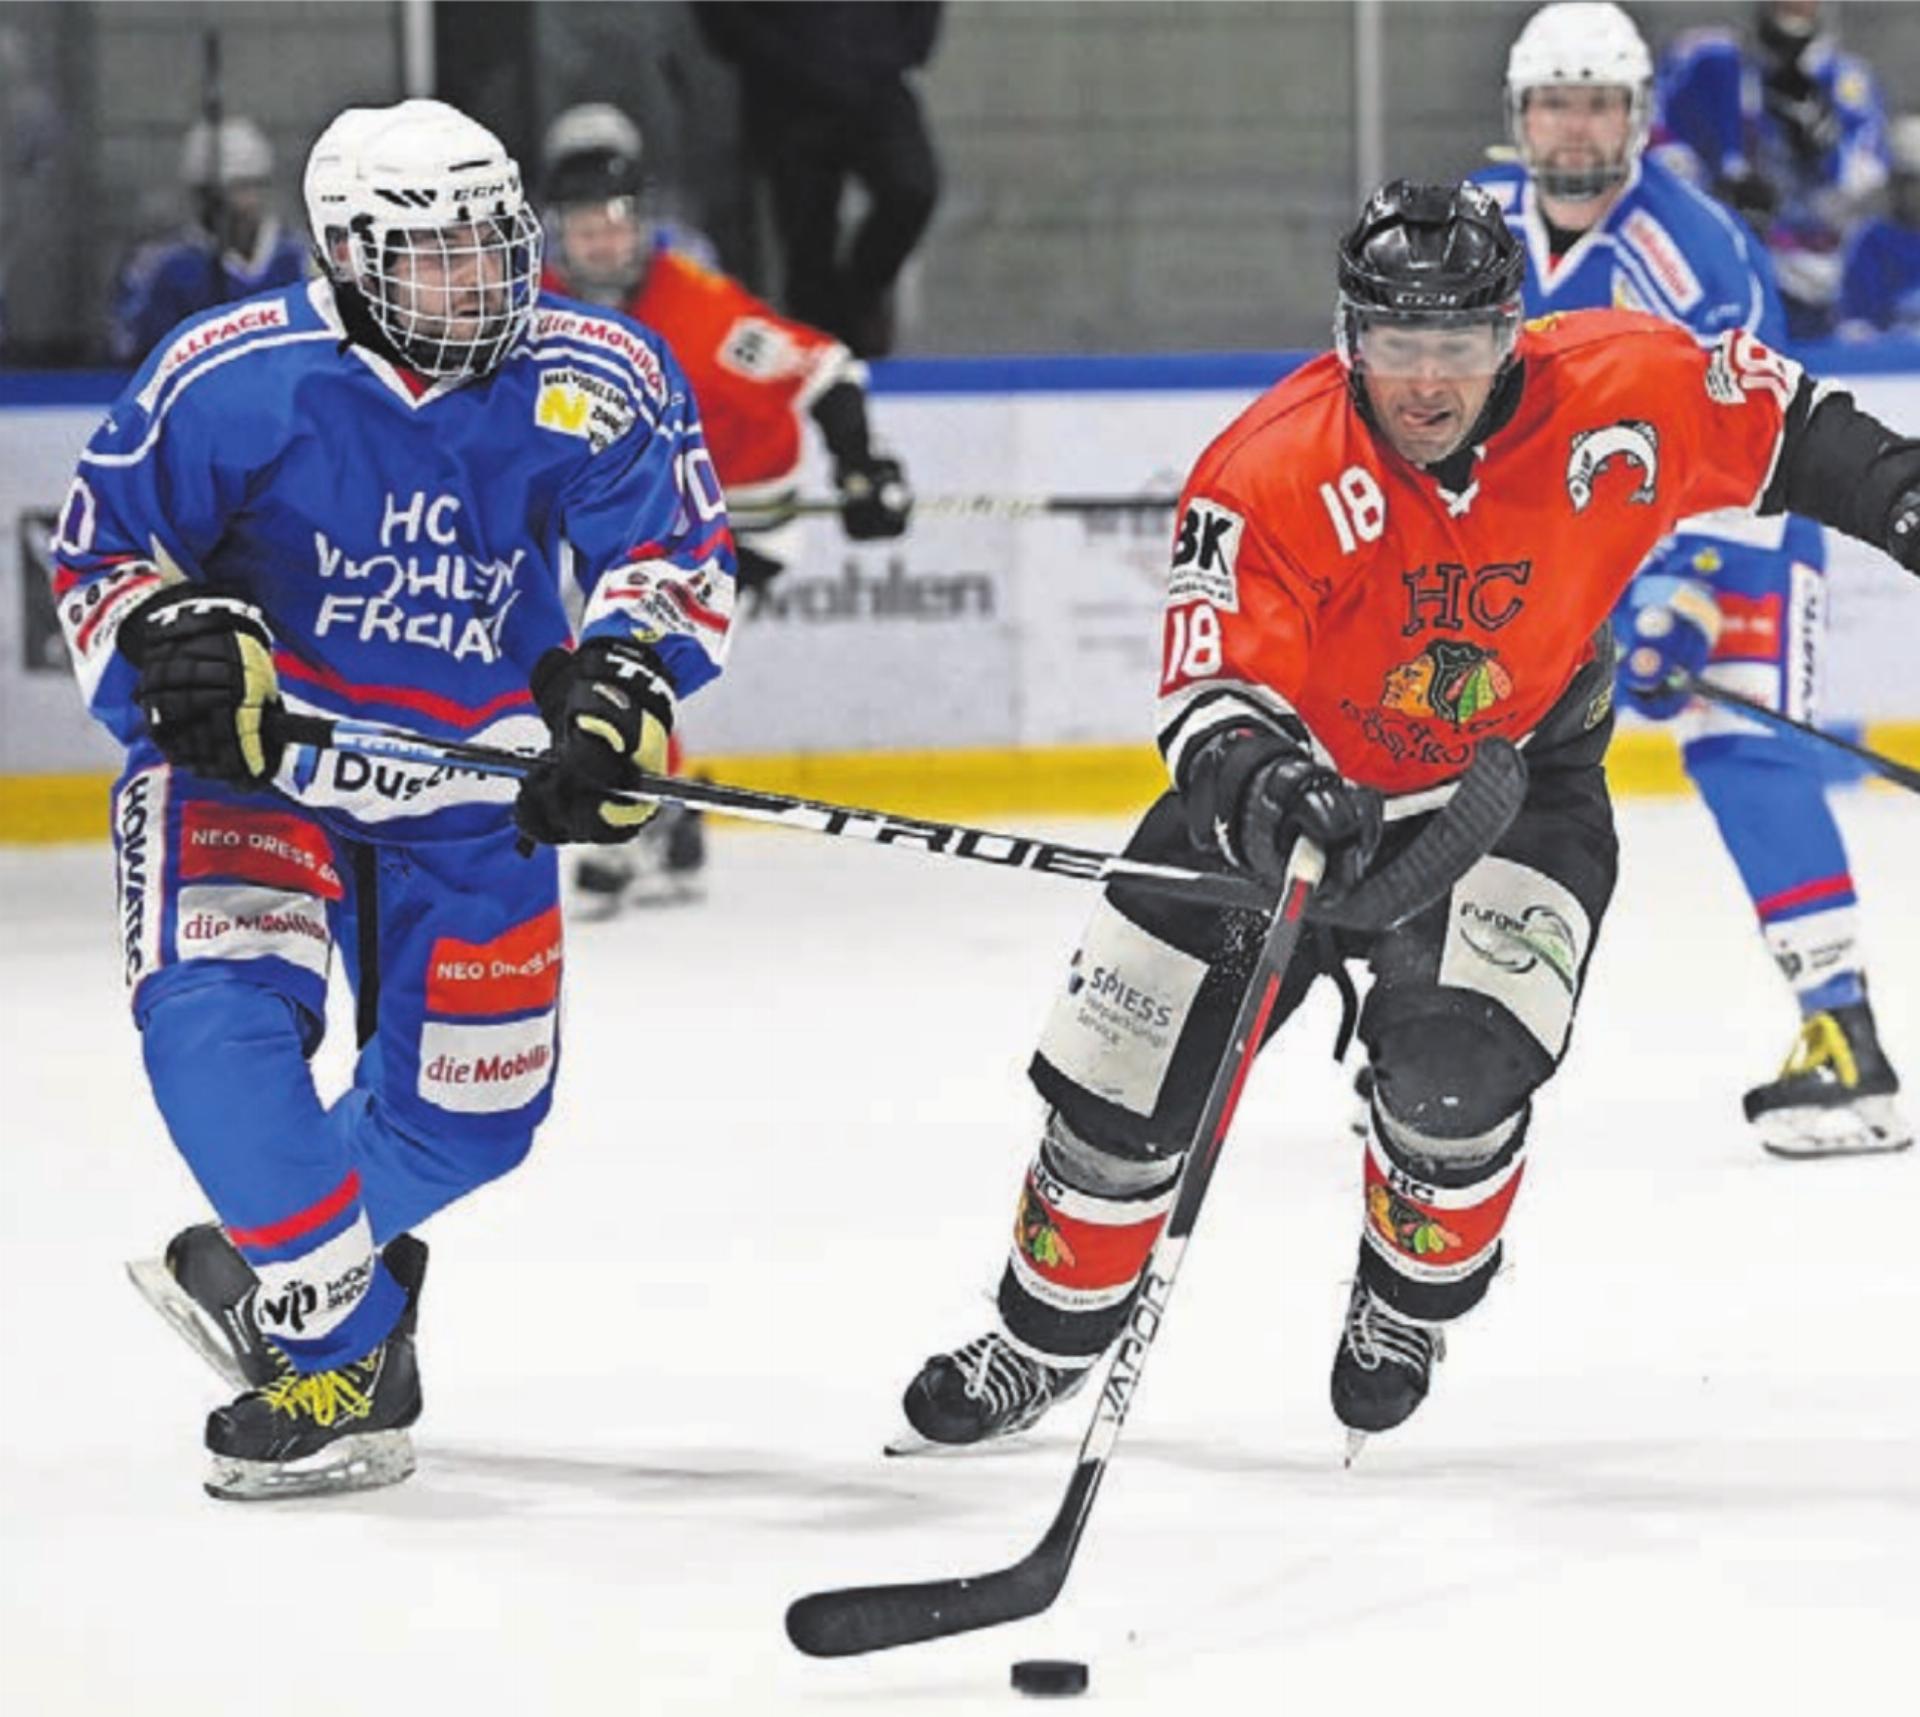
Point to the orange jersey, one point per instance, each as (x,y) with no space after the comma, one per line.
(751,369)
(1319,576)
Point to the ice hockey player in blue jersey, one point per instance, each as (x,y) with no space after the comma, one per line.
(362,497)
(235,245)
(1736,599)
(1880,288)
(1791,132)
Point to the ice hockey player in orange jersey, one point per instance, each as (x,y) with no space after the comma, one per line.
(1408,545)
(755,374)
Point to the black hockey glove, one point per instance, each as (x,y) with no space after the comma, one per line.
(1903,529)
(206,682)
(1752,196)
(610,710)
(1252,795)
(875,501)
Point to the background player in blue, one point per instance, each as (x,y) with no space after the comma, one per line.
(1880,290)
(1740,599)
(361,496)
(1791,132)
(234,245)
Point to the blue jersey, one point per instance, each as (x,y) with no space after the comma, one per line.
(1711,122)
(1663,248)
(164,283)
(1880,290)
(408,542)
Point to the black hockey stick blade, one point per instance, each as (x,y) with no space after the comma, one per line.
(859,1619)
(1484,803)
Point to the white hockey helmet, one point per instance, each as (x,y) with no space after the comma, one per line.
(420,209)
(1590,43)
(236,153)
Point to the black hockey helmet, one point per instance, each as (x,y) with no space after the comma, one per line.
(591,154)
(1435,257)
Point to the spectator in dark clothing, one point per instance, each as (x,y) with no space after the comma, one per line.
(826,99)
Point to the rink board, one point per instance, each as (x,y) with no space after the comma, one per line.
(980,665)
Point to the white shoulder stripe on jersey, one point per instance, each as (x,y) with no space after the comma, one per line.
(185,380)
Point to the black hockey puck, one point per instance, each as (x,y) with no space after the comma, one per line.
(1050,1677)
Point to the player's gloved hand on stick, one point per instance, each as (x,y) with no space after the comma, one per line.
(206,682)
(1293,797)
(1255,795)
(610,709)
(1667,644)
(875,501)
(1903,529)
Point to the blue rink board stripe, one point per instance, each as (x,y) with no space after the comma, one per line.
(1063,372)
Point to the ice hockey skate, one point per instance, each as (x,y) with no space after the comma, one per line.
(205,1290)
(980,1393)
(662,867)
(327,1432)
(1382,1368)
(1835,1096)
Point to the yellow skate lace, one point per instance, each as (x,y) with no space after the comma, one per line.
(322,1396)
(1822,1045)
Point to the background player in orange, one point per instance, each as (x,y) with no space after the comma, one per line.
(755,375)
(1405,547)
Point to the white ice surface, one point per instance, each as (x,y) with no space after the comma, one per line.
(1670,1466)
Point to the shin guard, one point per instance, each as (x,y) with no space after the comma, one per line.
(1085,1226)
(1435,1209)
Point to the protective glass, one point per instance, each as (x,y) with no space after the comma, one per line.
(1441,345)
(452,299)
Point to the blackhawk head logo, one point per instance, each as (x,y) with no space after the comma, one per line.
(1593,450)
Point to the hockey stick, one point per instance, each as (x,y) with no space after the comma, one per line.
(307,735)
(856,1619)
(1899,773)
(1422,872)
(1011,507)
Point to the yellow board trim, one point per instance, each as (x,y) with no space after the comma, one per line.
(1062,781)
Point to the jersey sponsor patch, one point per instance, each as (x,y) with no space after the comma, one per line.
(577,402)
(517,972)
(274,848)
(1631,443)
(1741,365)
(139,846)
(1206,556)
(485,1069)
(91,614)
(1749,627)
(1126,1002)
(1654,246)
(307,1296)
(206,338)
(1519,937)
(756,348)
(241,922)
(554,324)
